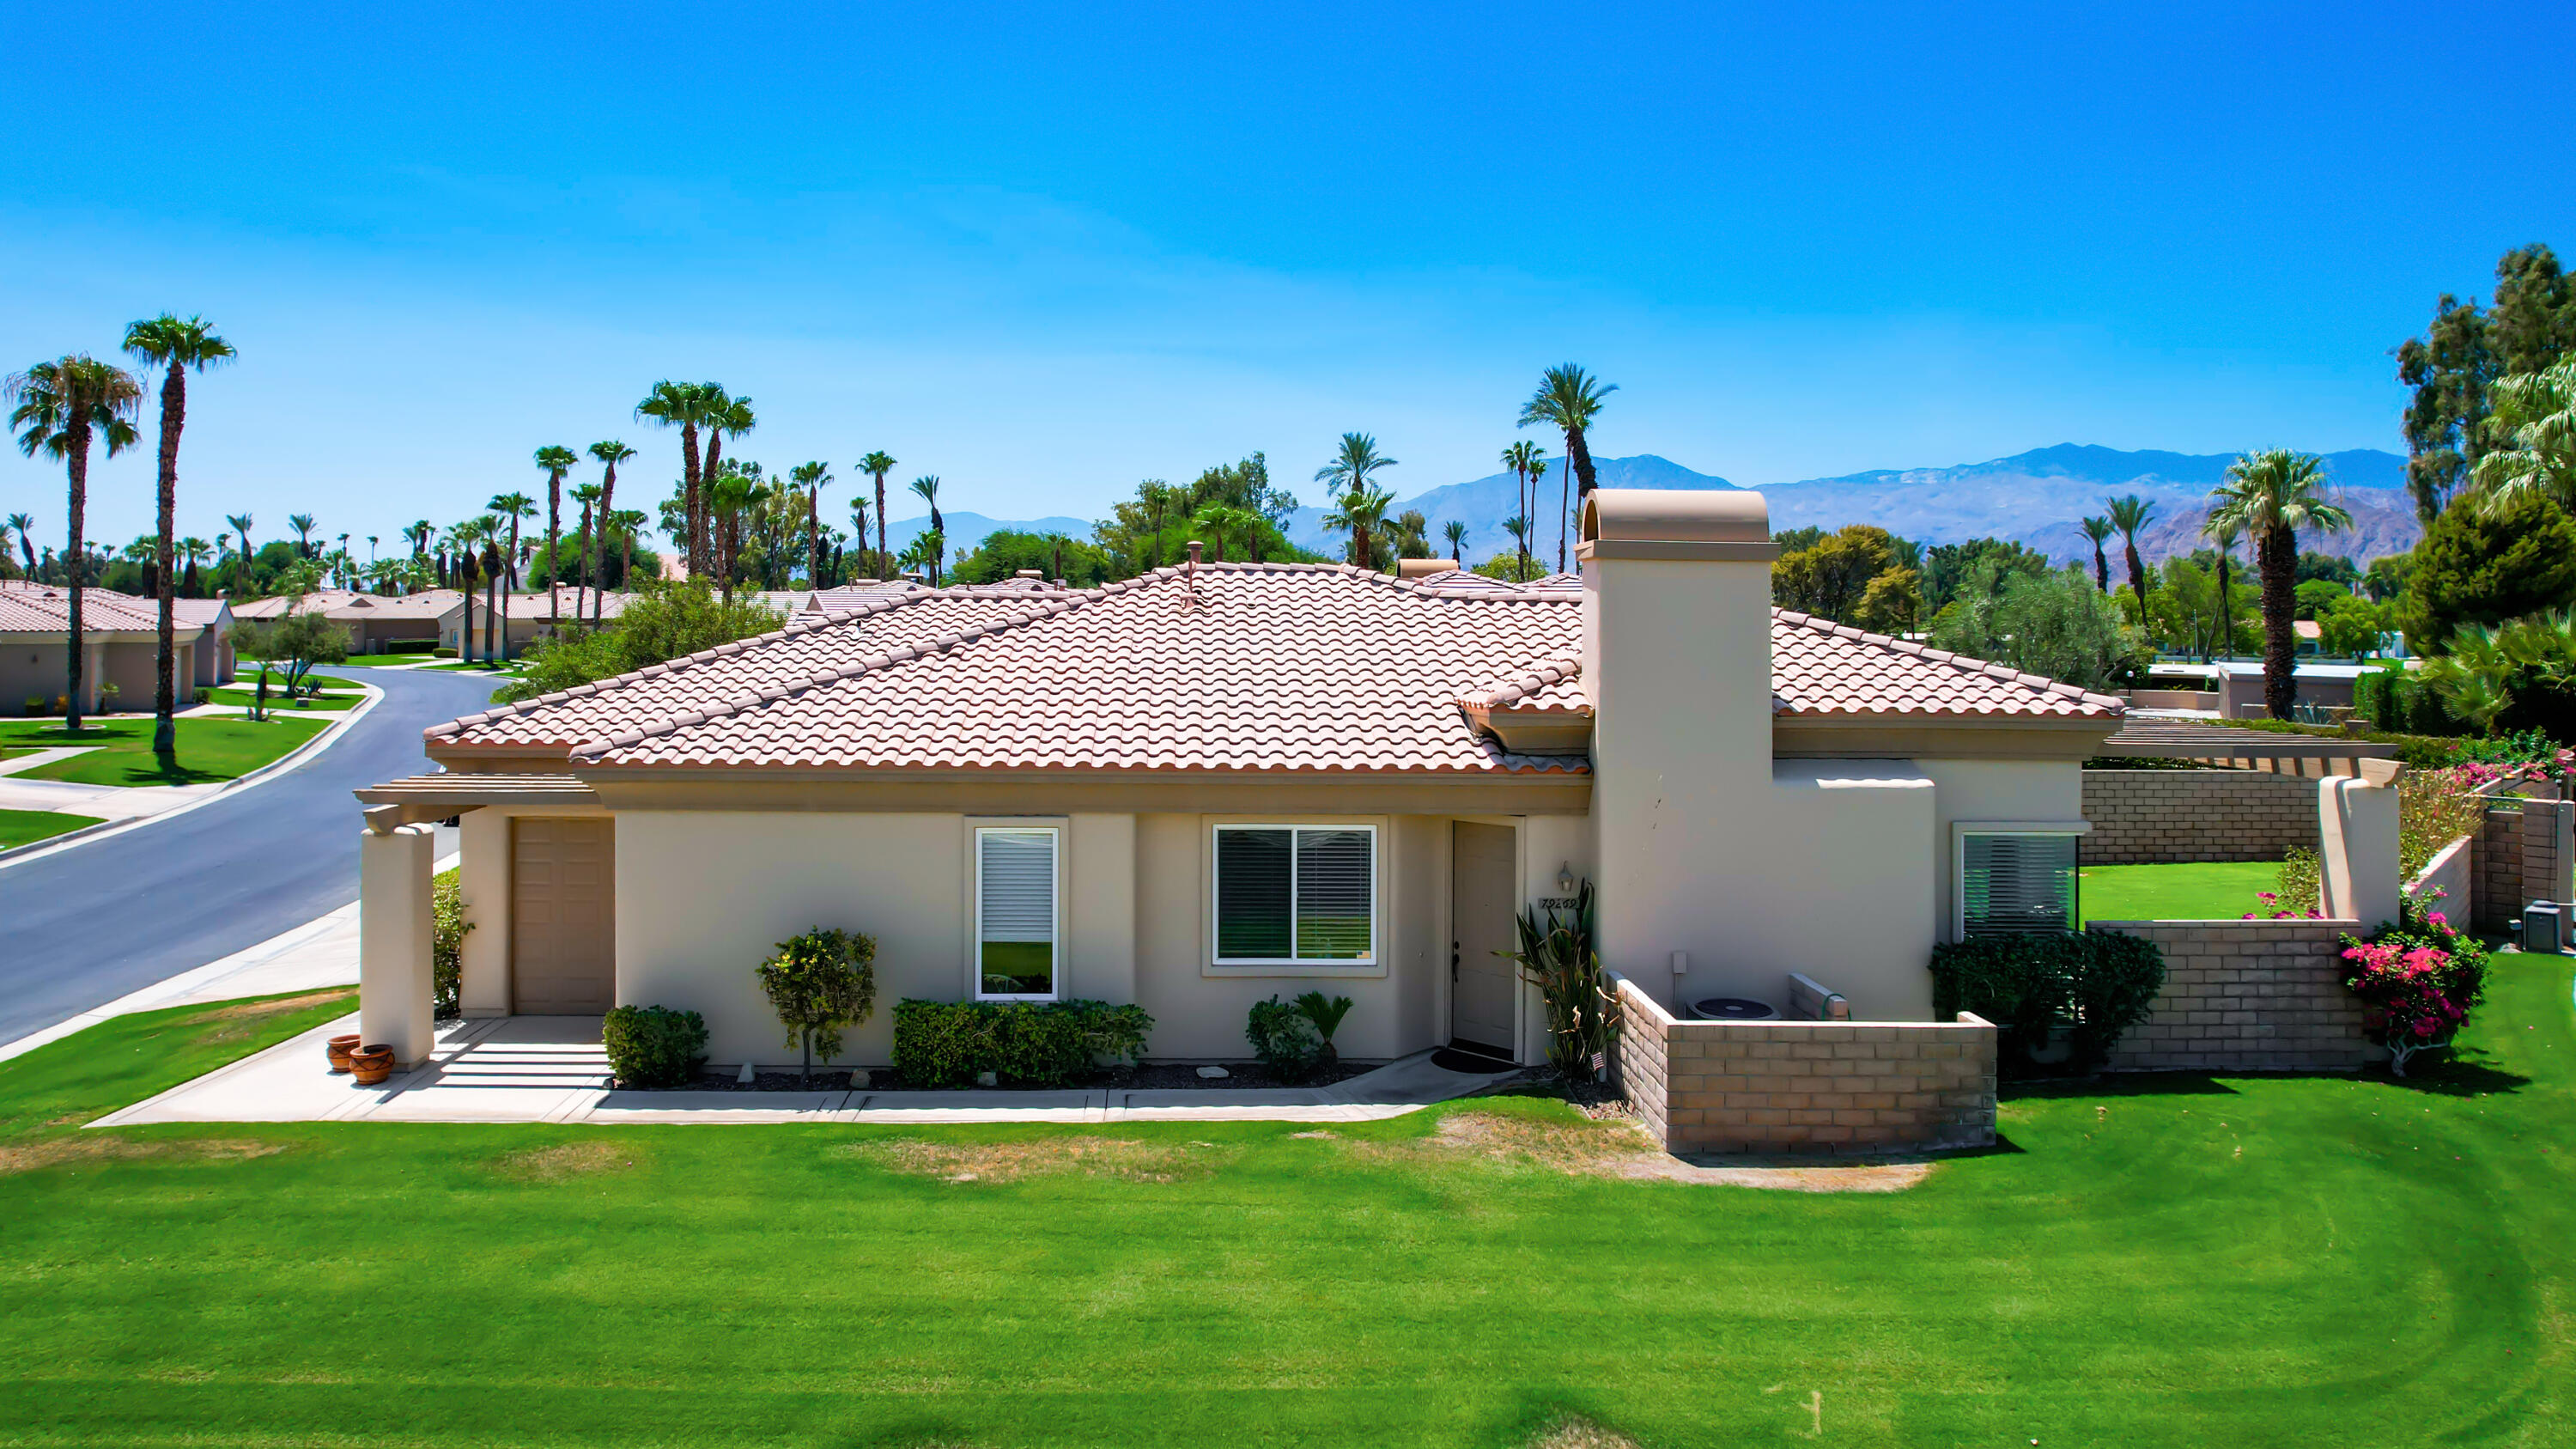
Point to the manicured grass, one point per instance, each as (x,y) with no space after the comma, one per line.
(480,667)
(2179,1261)
(277,681)
(325,702)
(120,750)
(25,827)
(380,661)
(2199,891)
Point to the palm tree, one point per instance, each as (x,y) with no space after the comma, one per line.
(1361,511)
(1362,505)
(1569,399)
(1523,458)
(2536,413)
(179,347)
(23,525)
(2099,530)
(61,404)
(1456,532)
(628,522)
(512,508)
(587,495)
(928,489)
(609,454)
(682,405)
(2128,515)
(859,530)
(555,461)
(877,465)
(727,417)
(302,523)
(241,523)
(1520,526)
(2271,495)
(2224,535)
(194,550)
(813,478)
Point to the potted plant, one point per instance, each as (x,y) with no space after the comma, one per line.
(370,1065)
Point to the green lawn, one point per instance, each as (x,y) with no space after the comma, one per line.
(2179,1261)
(2201,891)
(380,661)
(25,827)
(328,702)
(121,749)
(513,667)
(277,681)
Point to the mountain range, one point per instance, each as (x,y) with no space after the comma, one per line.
(2034,498)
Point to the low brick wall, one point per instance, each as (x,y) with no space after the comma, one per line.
(2152,817)
(1806,1086)
(2246,996)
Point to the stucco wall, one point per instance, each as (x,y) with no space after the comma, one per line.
(1806,1086)
(29,669)
(2246,996)
(2155,816)
(2040,791)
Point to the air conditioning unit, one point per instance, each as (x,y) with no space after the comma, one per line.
(2544,927)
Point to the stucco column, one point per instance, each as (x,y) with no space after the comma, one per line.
(395,1007)
(2357,825)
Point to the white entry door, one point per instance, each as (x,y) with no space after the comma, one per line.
(1483,985)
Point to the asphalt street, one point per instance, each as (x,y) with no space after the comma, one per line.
(89,924)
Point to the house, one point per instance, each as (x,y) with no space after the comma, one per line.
(1220,781)
(207,624)
(120,639)
(376,624)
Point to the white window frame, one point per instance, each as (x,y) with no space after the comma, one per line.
(1293,965)
(975,910)
(1960,830)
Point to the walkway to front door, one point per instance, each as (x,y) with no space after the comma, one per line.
(1484,982)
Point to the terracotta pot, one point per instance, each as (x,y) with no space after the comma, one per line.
(339,1048)
(370,1065)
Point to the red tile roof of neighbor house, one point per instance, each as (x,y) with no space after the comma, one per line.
(346,605)
(46,609)
(1268,667)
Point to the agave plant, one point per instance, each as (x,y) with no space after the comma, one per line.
(1557,955)
(1326,1013)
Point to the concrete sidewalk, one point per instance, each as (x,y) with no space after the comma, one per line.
(551,1070)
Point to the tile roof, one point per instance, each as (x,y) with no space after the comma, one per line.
(349,605)
(851,596)
(1822,668)
(45,609)
(1269,667)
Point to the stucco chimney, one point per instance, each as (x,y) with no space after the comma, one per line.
(1677,655)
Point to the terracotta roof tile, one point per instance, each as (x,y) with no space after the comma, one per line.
(1819,667)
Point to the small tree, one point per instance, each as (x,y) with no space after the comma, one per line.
(818,983)
(304,640)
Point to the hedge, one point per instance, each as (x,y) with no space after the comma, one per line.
(2094,986)
(1022,1043)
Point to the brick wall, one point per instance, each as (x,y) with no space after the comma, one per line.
(2246,996)
(1806,1086)
(2143,817)
(2497,867)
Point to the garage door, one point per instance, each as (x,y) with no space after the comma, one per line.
(563,917)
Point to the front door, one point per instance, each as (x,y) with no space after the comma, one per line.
(563,916)
(1484,982)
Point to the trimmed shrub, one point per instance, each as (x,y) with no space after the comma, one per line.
(818,983)
(1285,1039)
(2093,986)
(1022,1043)
(447,944)
(2420,979)
(653,1046)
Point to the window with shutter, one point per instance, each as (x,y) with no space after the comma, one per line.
(2016,884)
(1015,912)
(1296,894)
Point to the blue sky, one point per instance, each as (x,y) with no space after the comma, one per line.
(1044,252)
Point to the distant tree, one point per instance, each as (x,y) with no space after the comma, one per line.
(302,523)
(1570,399)
(682,405)
(1949,568)
(63,406)
(2224,532)
(2047,623)
(178,346)
(2453,366)
(2329,567)
(2351,626)
(877,465)
(588,496)
(2386,578)
(2532,439)
(1360,504)
(661,622)
(1005,552)
(608,454)
(726,417)
(1408,534)
(2099,531)
(2129,515)
(1525,459)
(242,579)
(1509,567)
(813,478)
(23,525)
(554,461)
(1831,578)
(935,551)
(2271,495)
(2480,566)
(1793,540)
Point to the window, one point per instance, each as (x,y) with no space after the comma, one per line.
(1296,894)
(1015,912)
(2016,884)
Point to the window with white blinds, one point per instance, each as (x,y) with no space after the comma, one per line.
(2016,884)
(1015,912)
(1296,894)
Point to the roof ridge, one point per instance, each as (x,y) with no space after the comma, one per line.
(1961,662)
(793,627)
(1516,687)
(1041,607)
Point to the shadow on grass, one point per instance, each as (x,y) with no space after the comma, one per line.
(2469,1075)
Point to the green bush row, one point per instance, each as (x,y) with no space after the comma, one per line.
(2094,986)
(2397,701)
(1022,1043)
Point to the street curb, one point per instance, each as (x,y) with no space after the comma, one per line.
(330,734)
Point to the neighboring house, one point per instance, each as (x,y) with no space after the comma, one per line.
(207,624)
(120,641)
(1219,782)
(376,624)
